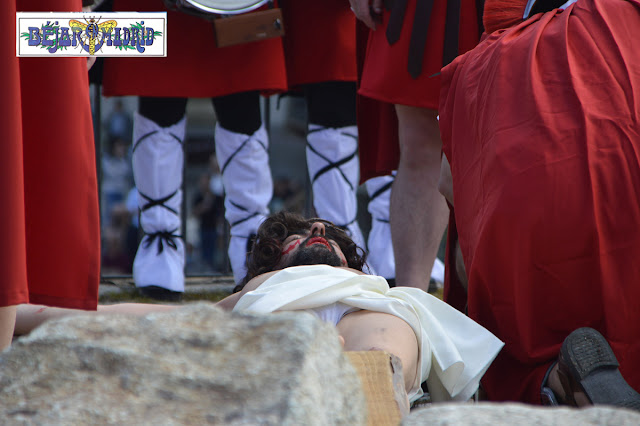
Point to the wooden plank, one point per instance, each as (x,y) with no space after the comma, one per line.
(383,384)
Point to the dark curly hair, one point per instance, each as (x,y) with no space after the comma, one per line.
(267,247)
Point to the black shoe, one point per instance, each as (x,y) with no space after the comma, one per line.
(587,358)
(160,293)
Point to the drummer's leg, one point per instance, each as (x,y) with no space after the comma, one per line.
(366,331)
(332,153)
(242,152)
(158,162)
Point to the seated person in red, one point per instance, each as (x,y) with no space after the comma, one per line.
(541,130)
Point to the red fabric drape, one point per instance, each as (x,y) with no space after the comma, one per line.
(50,250)
(541,126)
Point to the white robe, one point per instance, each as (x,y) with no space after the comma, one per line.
(455,351)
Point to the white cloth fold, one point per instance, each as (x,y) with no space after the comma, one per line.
(453,348)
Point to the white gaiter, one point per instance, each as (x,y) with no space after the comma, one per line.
(246,175)
(332,161)
(157,170)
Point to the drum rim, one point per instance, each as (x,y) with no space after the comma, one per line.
(256,4)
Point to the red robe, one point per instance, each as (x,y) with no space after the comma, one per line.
(49,220)
(541,125)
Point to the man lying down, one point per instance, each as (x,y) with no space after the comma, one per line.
(313,266)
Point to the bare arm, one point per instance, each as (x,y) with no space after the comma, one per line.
(29,317)
(7,321)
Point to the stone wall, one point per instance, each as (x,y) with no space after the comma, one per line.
(195,365)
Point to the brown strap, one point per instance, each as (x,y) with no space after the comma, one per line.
(420,28)
(451,32)
(418,40)
(396,18)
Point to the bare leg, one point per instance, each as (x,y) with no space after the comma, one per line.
(419,212)
(555,384)
(460,271)
(7,322)
(366,331)
(30,316)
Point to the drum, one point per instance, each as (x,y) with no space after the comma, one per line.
(206,8)
(230,22)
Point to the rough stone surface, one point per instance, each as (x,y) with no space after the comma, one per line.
(196,365)
(491,414)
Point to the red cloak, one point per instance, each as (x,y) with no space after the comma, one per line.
(541,125)
(49,220)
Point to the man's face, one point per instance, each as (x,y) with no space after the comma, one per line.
(311,248)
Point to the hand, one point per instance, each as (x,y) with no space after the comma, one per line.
(367,11)
(90,61)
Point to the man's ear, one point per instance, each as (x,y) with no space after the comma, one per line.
(445,182)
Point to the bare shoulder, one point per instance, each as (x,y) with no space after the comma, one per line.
(352,270)
(256,281)
(229,302)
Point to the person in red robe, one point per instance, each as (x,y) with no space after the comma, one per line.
(49,222)
(541,129)
(407,45)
